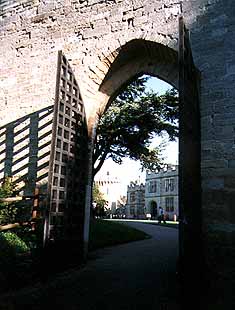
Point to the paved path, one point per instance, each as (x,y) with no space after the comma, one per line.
(133,276)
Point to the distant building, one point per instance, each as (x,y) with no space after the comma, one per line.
(135,201)
(161,189)
(110,186)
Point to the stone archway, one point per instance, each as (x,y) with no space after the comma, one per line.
(134,58)
(139,57)
(119,67)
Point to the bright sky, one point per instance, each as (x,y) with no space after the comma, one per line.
(130,170)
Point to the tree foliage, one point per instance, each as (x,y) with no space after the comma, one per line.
(8,210)
(11,212)
(99,201)
(134,118)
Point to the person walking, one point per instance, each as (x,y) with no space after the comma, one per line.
(161,216)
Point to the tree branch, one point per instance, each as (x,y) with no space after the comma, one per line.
(101,161)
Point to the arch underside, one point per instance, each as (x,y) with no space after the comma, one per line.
(139,57)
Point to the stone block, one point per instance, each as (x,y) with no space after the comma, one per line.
(45,8)
(127,15)
(218,163)
(140,21)
(115,15)
(214,184)
(116,26)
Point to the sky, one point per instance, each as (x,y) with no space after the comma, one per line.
(130,170)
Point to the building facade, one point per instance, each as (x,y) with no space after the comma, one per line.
(135,201)
(161,189)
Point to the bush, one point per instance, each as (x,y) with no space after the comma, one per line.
(7,210)
(14,264)
(11,244)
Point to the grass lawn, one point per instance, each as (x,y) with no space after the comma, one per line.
(106,233)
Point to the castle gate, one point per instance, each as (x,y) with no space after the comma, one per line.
(107,43)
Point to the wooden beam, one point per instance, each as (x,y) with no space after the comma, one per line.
(11,199)
(11,226)
(19,198)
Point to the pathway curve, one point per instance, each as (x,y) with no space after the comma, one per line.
(133,276)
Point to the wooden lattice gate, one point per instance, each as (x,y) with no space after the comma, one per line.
(68,162)
(191,252)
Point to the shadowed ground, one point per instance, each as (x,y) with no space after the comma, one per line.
(130,276)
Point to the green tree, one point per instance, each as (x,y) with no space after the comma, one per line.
(99,202)
(11,212)
(129,124)
(8,210)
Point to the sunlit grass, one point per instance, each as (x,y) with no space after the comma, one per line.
(106,233)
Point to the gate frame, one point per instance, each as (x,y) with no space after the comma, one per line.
(70,127)
(191,252)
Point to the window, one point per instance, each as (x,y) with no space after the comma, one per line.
(172,185)
(152,186)
(132,197)
(169,185)
(169,204)
(132,210)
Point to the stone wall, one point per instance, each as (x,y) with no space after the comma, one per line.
(89,32)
